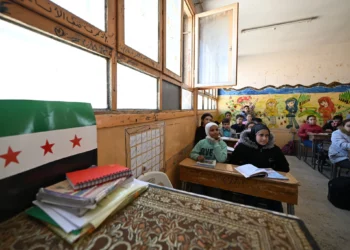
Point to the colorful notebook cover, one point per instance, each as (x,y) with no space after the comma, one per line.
(94,176)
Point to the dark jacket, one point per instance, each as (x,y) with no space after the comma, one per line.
(200,134)
(328,125)
(269,156)
(238,128)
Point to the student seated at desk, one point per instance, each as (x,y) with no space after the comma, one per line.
(333,125)
(247,127)
(239,126)
(249,119)
(257,147)
(309,127)
(245,112)
(225,130)
(228,115)
(257,120)
(339,150)
(210,148)
(200,131)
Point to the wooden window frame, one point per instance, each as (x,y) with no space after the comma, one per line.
(189,5)
(234,7)
(46,17)
(67,19)
(165,69)
(132,63)
(132,53)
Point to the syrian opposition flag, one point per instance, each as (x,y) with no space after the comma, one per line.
(39,142)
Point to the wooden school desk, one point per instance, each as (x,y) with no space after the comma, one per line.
(164,218)
(231,142)
(224,176)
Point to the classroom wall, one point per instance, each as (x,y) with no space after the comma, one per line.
(270,104)
(179,136)
(328,63)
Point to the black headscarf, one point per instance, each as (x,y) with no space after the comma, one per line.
(255,130)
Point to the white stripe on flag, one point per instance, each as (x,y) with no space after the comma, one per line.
(32,155)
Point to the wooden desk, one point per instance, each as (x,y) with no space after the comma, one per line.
(163,218)
(224,176)
(231,142)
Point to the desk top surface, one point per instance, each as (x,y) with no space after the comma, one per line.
(163,218)
(230,139)
(230,170)
(321,136)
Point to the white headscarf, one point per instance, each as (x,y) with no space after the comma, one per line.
(208,126)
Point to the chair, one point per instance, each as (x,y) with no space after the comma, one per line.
(336,170)
(303,151)
(156,177)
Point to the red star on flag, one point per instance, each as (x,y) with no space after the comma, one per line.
(47,147)
(76,141)
(10,156)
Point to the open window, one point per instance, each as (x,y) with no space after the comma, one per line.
(216,40)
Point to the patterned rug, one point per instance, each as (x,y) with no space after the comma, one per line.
(168,219)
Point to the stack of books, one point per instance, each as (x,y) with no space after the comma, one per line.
(79,204)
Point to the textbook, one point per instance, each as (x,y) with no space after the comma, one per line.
(77,201)
(206,163)
(93,176)
(249,170)
(71,227)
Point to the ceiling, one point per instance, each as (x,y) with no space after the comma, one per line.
(332,26)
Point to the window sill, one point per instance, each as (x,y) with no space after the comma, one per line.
(110,119)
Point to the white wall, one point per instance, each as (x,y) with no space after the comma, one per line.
(325,64)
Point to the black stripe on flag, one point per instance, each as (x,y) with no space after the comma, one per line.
(19,191)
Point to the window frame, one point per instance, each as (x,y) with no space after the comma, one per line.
(187,8)
(124,60)
(234,46)
(132,53)
(45,17)
(165,69)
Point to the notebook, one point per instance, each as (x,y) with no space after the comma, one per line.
(206,163)
(77,201)
(249,170)
(93,176)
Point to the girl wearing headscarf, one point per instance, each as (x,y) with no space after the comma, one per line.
(210,148)
(257,147)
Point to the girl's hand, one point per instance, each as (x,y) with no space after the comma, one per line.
(200,158)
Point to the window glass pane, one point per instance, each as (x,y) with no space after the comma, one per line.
(205,102)
(210,104)
(214,46)
(36,67)
(136,90)
(173,35)
(214,104)
(200,102)
(171,96)
(142,26)
(187,46)
(92,11)
(186,99)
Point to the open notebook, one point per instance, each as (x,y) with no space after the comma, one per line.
(249,170)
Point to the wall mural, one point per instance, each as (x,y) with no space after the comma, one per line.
(288,107)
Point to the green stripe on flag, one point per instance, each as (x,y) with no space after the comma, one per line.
(27,116)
